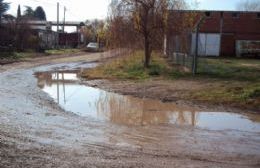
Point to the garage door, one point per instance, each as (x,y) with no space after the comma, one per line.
(209,44)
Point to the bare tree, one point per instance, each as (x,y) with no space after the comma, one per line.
(120,30)
(249,5)
(148,18)
(94,30)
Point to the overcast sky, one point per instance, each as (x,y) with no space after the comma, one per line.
(219,4)
(81,10)
(77,10)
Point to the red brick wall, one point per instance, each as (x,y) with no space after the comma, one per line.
(228,45)
(244,27)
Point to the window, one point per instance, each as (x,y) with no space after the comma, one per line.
(221,14)
(258,16)
(235,15)
(207,14)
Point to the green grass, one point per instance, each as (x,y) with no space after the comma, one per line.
(230,68)
(61,51)
(234,81)
(237,93)
(15,55)
(130,67)
(224,80)
(9,57)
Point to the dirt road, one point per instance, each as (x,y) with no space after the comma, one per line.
(36,132)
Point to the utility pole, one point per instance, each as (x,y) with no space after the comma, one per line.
(64,17)
(58,15)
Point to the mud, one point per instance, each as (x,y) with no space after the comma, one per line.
(67,88)
(36,132)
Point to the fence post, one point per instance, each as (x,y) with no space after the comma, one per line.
(195,56)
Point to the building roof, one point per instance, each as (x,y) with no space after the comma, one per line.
(225,11)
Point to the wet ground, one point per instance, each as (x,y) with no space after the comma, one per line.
(49,117)
(69,91)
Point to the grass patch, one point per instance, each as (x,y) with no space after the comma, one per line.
(237,93)
(15,55)
(10,57)
(61,51)
(234,81)
(130,67)
(230,68)
(228,81)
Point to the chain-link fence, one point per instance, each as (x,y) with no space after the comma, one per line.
(181,51)
(178,51)
(181,59)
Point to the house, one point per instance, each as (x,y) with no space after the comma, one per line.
(51,39)
(45,37)
(221,33)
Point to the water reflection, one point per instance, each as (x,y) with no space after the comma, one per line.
(64,87)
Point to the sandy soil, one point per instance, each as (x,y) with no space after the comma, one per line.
(35,132)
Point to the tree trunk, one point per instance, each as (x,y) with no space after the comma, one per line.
(147,52)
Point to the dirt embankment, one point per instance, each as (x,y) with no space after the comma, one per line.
(160,81)
(36,132)
(178,91)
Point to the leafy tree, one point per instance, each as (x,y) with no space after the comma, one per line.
(29,12)
(19,12)
(3,8)
(39,13)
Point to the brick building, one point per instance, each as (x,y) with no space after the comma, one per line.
(222,33)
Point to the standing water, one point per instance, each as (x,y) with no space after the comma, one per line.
(65,88)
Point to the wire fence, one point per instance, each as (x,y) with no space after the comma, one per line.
(181,52)
(181,59)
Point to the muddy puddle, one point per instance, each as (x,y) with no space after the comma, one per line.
(66,89)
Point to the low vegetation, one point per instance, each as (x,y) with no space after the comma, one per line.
(9,57)
(226,80)
(130,67)
(235,81)
(62,51)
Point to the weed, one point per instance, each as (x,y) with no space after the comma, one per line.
(61,51)
(130,67)
(225,80)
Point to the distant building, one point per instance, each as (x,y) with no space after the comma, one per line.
(50,39)
(222,33)
(70,39)
(46,37)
